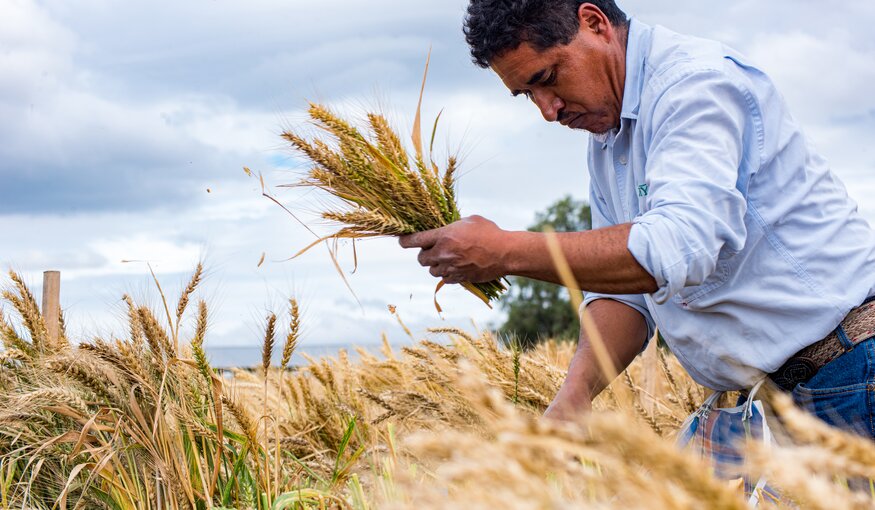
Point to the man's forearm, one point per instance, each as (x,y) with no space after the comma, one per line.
(623,330)
(599,259)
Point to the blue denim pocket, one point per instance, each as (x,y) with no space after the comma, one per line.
(841,393)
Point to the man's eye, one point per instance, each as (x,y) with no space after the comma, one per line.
(551,80)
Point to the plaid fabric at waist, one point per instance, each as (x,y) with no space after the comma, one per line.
(859,325)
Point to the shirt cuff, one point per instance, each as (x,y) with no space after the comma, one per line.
(634,301)
(670,276)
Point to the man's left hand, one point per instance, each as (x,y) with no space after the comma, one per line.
(472,249)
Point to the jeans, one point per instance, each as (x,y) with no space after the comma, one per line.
(842,393)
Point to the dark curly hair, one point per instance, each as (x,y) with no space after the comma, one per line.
(493,27)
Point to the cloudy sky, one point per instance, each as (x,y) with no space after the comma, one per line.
(125,127)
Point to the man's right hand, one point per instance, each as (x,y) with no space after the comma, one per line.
(623,330)
(566,409)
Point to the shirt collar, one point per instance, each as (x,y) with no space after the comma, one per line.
(637,50)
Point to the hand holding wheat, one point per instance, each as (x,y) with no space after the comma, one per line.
(469,250)
(383,190)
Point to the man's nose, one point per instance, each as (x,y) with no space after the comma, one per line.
(550,104)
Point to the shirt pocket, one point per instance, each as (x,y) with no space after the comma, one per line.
(728,264)
(688,296)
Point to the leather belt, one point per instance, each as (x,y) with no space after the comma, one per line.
(859,325)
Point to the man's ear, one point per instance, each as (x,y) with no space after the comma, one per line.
(592,19)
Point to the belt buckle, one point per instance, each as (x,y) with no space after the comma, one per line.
(795,371)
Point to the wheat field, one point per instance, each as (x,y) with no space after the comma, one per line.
(144,422)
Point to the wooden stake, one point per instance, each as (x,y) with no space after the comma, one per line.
(52,306)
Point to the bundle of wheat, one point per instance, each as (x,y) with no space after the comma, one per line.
(383,190)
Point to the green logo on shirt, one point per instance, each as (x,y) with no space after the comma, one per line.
(642,190)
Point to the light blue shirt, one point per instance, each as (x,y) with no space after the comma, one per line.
(754,243)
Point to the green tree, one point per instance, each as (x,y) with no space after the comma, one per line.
(539,310)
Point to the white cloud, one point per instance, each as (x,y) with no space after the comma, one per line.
(165,256)
(36,52)
(129,112)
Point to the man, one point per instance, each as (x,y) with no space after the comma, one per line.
(713,218)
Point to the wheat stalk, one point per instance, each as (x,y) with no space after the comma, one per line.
(26,306)
(294,333)
(267,345)
(182,304)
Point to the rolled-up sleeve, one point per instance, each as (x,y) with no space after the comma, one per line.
(694,209)
(601,219)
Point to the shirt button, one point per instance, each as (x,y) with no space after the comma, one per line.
(623,160)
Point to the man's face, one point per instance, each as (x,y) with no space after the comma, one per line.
(579,85)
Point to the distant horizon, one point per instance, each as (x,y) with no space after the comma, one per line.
(249,357)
